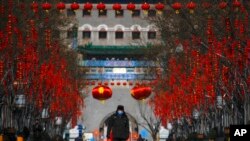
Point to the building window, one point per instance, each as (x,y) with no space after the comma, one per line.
(151,13)
(119,13)
(135,35)
(86,12)
(86,34)
(136,13)
(102,34)
(151,35)
(70,12)
(118,34)
(102,12)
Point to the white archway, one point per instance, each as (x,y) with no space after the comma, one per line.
(86,27)
(102,26)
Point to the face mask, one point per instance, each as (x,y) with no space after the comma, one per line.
(120,112)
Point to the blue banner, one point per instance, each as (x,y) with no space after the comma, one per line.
(110,63)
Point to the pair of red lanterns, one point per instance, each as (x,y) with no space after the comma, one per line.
(138,92)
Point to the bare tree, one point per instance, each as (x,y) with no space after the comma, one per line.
(149,121)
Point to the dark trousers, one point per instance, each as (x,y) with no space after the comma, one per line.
(119,140)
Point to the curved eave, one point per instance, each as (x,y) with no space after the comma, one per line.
(109,50)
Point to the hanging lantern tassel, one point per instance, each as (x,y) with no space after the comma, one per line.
(60,6)
(145,7)
(74,6)
(177,6)
(159,12)
(191,6)
(88,6)
(236,4)
(101,7)
(46,6)
(159,8)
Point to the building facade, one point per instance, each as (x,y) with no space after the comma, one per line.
(110,45)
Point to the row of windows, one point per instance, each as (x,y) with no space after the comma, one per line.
(118,35)
(118,13)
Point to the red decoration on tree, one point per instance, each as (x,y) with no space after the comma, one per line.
(101,6)
(131,6)
(102,92)
(222,5)
(159,7)
(34,7)
(236,4)
(60,6)
(191,6)
(177,6)
(88,6)
(1,69)
(74,6)
(46,6)
(206,5)
(140,93)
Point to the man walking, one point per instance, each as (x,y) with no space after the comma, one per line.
(118,125)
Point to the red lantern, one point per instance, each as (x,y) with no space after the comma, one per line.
(222,5)
(191,6)
(140,93)
(101,6)
(88,6)
(74,6)
(46,6)
(145,7)
(93,83)
(118,83)
(99,83)
(102,93)
(60,6)
(236,4)
(106,83)
(87,83)
(34,6)
(177,6)
(117,7)
(206,5)
(159,7)
(130,83)
(124,83)
(131,6)
(112,83)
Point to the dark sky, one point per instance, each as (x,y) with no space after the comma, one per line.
(113,1)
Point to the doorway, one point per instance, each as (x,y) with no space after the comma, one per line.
(133,127)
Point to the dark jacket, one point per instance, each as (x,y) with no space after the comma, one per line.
(119,126)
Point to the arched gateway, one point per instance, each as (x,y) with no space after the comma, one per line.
(133,126)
